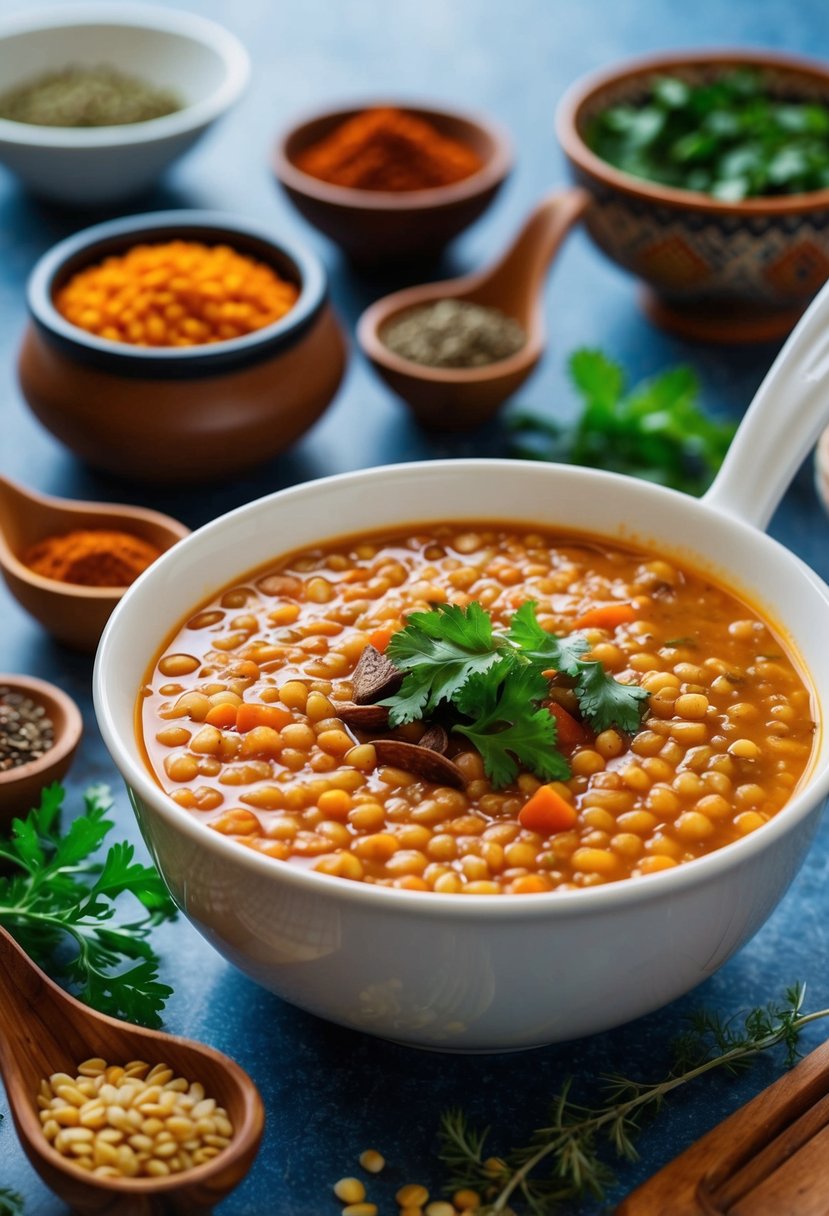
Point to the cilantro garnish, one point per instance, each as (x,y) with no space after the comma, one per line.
(505,727)
(58,894)
(440,649)
(497,682)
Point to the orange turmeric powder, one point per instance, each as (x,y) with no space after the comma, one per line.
(180,293)
(92,557)
(388,149)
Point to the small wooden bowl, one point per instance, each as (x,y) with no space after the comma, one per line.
(373,226)
(73,614)
(20,787)
(712,270)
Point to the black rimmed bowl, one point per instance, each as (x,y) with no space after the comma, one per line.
(171,414)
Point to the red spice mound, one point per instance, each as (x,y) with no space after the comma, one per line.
(92,558)
(388,149)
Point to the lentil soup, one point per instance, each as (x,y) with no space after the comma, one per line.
(243,715)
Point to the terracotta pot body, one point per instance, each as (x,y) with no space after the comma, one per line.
(169,430)
(713,270)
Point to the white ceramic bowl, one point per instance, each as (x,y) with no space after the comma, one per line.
(494,972)
(169,48)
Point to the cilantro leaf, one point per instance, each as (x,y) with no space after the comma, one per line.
(438,650)
(56,892)
(453,657)
(505,728)
(11,1202)
(606,702)
(655,430)
(539,646)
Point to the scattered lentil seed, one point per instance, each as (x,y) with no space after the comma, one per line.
(26,733)
(350,1190)
(132,1121)
(372,1161)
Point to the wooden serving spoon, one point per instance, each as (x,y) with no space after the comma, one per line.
(43,1030)
(455,399)
(73,614)
(767,1159)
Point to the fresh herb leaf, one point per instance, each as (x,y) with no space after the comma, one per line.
(606,702)
(566,1160)
(11,1202)
(745,141)
(498,680)
(439,650)
(505,728)
(540,647)
(655,430)
(58,894)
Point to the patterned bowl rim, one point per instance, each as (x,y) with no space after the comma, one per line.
(587,88)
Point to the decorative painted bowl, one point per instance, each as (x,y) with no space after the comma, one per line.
(374,226)
(172,49)
(175,414)
(724,272)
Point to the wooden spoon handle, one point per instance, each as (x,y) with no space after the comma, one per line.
(769,1158)
(519,273)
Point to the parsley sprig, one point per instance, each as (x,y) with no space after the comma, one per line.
(655,430)
(11,1202)
(58,895)
(496,682)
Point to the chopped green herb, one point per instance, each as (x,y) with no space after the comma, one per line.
(58,892)
(655,430)
(452,656)
(11,1202)
(729,138)
(506,728)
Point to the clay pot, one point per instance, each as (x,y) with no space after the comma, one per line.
(375,226)
(173,414)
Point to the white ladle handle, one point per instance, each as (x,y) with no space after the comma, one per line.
(783,422)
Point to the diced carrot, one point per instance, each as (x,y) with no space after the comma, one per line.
(570,730)
(221,715)
(249,715)
(606,616)
(380,639)
(546,812)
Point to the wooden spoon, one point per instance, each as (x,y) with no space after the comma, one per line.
(72,613)
(43,1030)
(454,399)
(767,1159)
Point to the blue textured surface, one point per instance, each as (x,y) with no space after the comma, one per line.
(331,1093)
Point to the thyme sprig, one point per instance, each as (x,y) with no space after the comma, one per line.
(574,1145)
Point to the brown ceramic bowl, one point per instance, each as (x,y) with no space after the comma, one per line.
(373,226)
(72,614)
(20,787)
(175,414)
(712,270)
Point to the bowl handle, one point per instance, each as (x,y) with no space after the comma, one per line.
(785,419)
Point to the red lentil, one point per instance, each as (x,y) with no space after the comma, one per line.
(181,293)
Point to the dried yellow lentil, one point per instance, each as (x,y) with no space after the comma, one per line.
(133,1121)
(178,293)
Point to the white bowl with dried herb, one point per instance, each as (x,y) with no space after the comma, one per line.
(97,100)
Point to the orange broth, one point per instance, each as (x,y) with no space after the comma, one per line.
(725,737)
